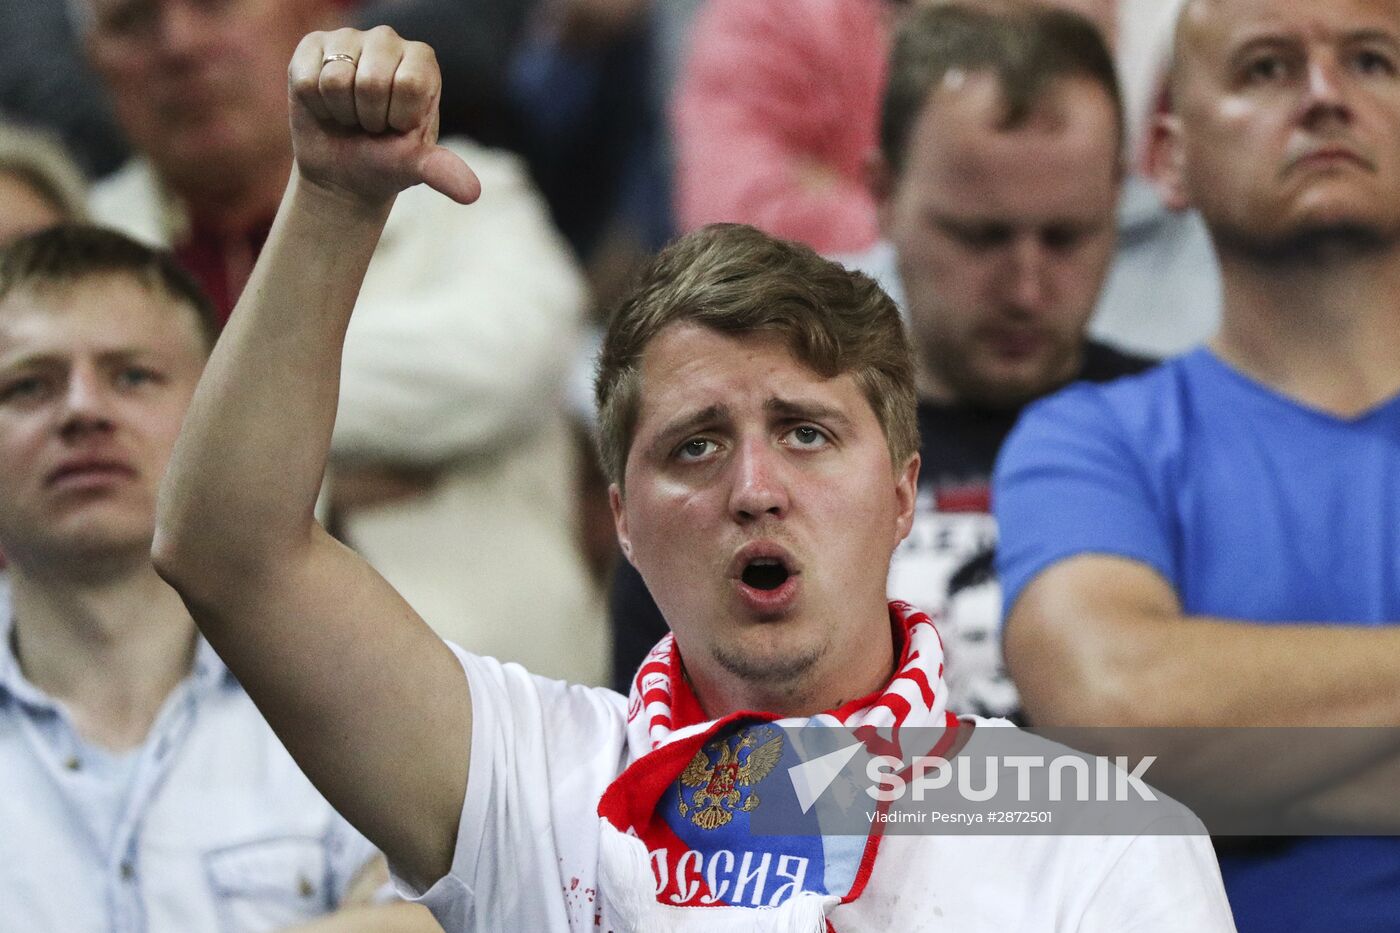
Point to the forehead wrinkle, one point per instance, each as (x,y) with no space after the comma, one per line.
(1264,23)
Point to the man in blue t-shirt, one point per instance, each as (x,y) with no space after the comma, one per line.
(1217,542)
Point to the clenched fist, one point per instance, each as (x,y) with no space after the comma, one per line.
(364,109)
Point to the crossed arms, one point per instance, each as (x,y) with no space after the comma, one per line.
(1097,633)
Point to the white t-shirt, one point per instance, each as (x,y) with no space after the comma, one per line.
(527,854)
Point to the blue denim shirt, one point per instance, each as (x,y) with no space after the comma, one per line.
(208,826)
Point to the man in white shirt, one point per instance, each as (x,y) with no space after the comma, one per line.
(143,791)
(756,407)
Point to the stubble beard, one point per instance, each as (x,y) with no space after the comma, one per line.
(783,673)
(960,374)
(1313,244)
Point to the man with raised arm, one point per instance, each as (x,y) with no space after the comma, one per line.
(758,422)
(143,790)
(1217,542)
(997,179)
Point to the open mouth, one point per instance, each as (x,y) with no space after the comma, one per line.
(765,573)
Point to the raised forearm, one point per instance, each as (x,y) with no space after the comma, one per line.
(303,622)
(245,474)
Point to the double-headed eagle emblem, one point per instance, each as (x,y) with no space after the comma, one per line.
(739,765)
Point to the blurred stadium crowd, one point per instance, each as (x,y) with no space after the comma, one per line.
(1102,538)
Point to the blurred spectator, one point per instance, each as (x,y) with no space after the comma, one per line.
(1214,543)
(45,82)
(143,789)
(1163,291)
(583,81)
(474,41)
(776,112)
(775,116)
(570,86)
(39,184)
(998,206)
(452,464)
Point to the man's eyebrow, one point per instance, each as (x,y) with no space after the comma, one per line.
(684,425)
(1258,42)
(806,410)
(970,226)
(1277,40)
(1371,35)
(48,358)
(30,360)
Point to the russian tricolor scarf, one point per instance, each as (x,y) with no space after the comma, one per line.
(676,851)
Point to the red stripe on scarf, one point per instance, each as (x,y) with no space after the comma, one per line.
(920,679)
(877,831)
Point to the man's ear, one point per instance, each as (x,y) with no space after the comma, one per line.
(880,181)
(906,491)
(619,514)
(1165,161)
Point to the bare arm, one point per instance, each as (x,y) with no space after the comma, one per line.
(1103,640)
(1098,640)
(370,703)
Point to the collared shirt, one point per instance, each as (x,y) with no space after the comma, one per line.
(207,826)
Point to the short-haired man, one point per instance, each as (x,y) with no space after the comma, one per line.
(757,406)
(143,791)
(1214,543)
(776,110)
(998,180)
(452,461)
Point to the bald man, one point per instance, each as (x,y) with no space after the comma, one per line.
(1217,542)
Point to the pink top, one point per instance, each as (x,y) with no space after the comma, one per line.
(776,112)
